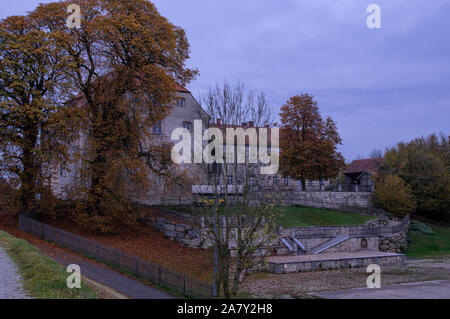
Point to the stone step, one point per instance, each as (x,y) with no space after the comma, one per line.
(286,242)
(299,245)
(328,261)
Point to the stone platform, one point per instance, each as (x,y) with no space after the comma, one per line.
(335,260)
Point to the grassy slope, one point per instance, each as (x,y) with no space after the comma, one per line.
(295,216)
(423,245)
(304,216)
(43,278)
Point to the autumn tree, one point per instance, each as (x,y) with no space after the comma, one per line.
(126,61)
(33,117)
(308,143)
(394,195)
(424,165)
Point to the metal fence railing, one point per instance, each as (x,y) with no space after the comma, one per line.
(115,257)
(352,231)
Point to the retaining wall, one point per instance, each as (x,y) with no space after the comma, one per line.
(358,202)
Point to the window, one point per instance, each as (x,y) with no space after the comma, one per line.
(181,102)
(286,181)
(275,180)
(230,179)
(251,181)
(188,126)
(157,128)
(364,243)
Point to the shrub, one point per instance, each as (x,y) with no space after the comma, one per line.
(420,227)
(394,196)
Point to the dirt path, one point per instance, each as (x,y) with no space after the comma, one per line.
(124,285)
(10,280)
(439,289)
(91,269)
(308,284)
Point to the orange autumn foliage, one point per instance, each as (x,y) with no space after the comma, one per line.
(309,143)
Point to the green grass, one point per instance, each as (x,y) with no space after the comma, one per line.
(423,245)
(43,278)
(304,216)
(295,216)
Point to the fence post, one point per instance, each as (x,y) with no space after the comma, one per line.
(159,274)
(184,284)
(137,266)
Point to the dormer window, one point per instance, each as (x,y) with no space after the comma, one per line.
(181,102)
(157,128)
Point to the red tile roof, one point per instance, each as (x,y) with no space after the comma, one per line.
(179,88)
(370,165)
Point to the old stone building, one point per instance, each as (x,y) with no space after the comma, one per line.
(183,113)
(360,173)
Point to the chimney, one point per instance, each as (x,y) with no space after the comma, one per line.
(244,124)
(251,123)
(276,124)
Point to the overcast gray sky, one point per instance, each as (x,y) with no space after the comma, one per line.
(381,86)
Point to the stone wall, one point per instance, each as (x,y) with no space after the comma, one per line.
(184,234)
(397,243)
(346,201)
(341,263)
(389,238)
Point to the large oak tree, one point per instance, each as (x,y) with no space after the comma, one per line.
(308,143)
(123,64)
(33,118)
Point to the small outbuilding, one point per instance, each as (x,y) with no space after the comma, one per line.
(359,175)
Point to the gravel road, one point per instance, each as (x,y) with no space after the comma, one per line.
(10,280)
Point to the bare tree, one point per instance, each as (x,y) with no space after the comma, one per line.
(376,153)
(247,222)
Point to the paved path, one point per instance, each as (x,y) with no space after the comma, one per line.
(439,289)
(127,286)
(10,280)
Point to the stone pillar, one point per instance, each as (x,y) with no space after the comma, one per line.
(321,185)
(356,187)
(339,187)
(300,189)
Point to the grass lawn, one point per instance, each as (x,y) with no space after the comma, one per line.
(423,245)
(295,216)
(43,278)
(304,216)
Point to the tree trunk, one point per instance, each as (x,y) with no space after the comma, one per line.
(28,175)
(97,186)
(303,185)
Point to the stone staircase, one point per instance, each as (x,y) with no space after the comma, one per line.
(294,245)
(329,244)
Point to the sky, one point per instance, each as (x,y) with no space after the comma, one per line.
(381,86)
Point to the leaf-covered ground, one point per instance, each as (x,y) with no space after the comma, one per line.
(150,245)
